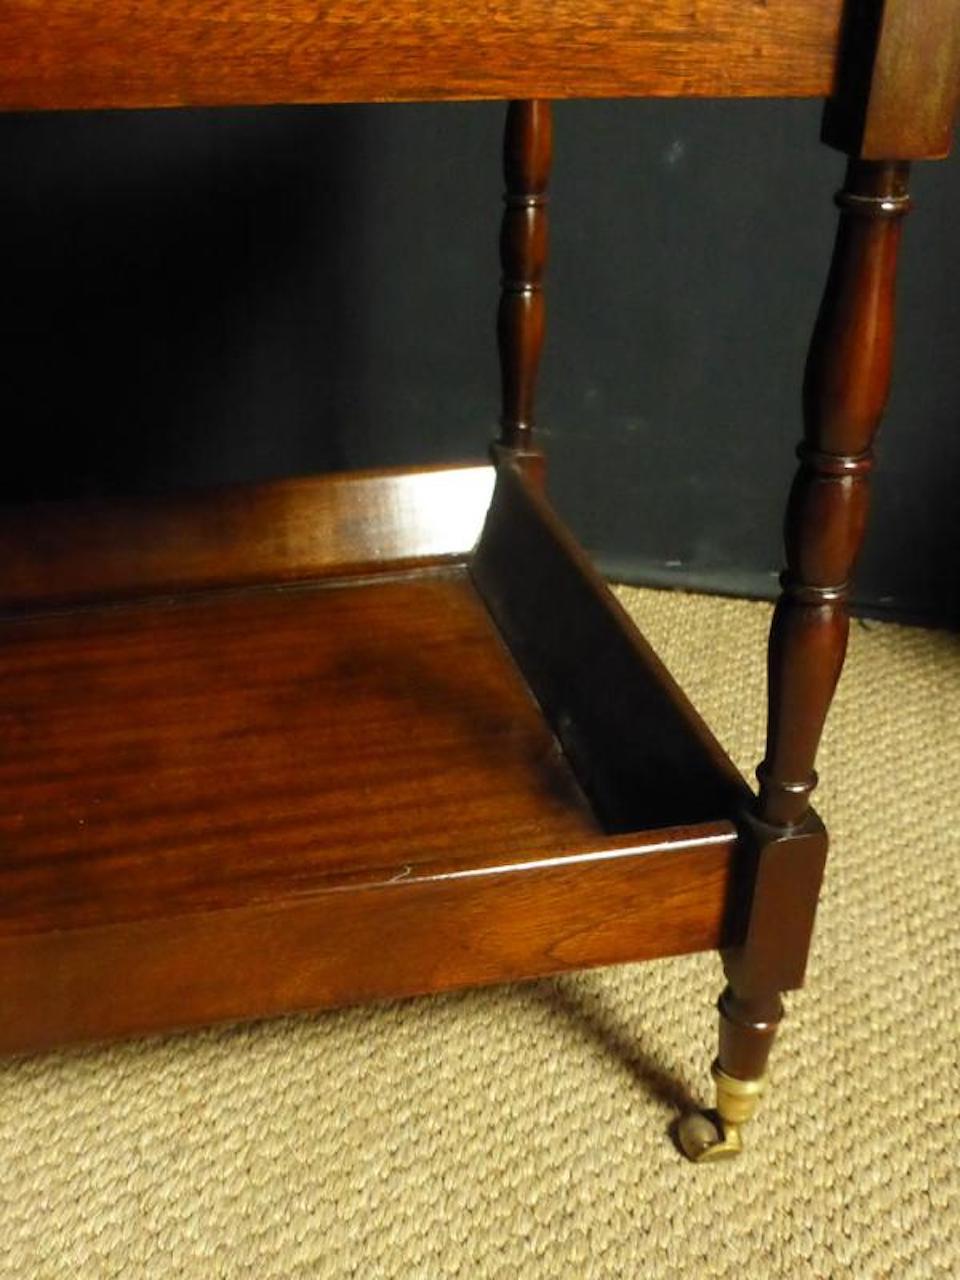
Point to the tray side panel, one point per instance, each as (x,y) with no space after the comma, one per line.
(638,747)
(325,526)
(403,938)
(135,53)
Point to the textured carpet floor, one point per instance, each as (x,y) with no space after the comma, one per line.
(521,1132)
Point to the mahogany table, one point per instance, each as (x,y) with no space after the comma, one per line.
(383,733)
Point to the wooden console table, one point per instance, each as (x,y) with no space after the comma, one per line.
(386,733)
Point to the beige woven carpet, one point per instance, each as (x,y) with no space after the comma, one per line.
(522,1132)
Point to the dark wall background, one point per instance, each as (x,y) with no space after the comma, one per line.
(207,296)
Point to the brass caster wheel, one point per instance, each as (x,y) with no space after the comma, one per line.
(716,1135)
(703,1136)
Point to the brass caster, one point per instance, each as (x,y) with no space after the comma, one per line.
(715,1135)
(703,1136)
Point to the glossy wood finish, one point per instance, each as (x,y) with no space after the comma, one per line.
(137,53)
(527,154)
(247,799)
(311,730)
(774,924)
(896,100)
(639,748)
(748,1028)
(848,375)
(436,761)
(899,81)
(417,932)
(845,390)
(315,527)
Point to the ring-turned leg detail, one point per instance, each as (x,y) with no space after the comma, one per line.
(747,1031)
(527,152)
(845,390)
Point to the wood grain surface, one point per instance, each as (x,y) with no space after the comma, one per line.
(313,527)
(415,935)
(898,80)
(137,53)
(245,802)
(189,756)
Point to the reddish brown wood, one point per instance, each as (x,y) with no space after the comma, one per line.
(242,802)
(639,748)
(772,918)
(848,374)
(259,798)
(748,1028)
(136,53)
(413,934)
(899,81)
(527,153)
(316,527)
(244,744)
(847,379)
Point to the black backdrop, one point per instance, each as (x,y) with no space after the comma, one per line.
(207,296)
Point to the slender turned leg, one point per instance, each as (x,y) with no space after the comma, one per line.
(527,151)
(847,378)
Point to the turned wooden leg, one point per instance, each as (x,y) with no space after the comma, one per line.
(845,389)
(848,376)
(747,1030)
(527,150)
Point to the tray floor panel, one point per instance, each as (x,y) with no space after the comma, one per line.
(207,752)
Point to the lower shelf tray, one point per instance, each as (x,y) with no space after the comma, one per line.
(399,739)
